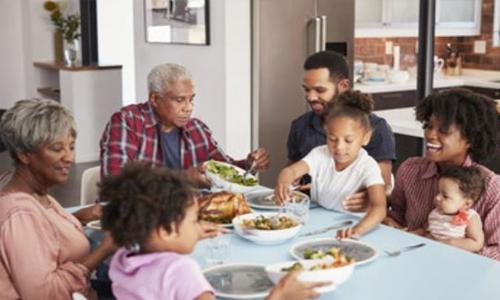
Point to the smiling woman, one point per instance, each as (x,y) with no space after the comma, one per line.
(461,129)
(40,136)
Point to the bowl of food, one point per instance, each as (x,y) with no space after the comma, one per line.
(327,269)
(229,177)
(222,207)
(267,228)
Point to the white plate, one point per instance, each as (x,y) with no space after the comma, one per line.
(239,281)
(94,225)
(361,252)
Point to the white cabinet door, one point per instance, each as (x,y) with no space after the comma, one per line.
(395,18)
(456,11)
(404,12)
(369,13)
(458,17)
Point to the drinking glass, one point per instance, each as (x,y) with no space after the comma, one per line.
(218,249)
(299,208)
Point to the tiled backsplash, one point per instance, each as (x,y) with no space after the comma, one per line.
(373,49)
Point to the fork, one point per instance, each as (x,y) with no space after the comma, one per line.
(404,249)
(252,166)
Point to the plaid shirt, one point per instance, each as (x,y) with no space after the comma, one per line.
(133,134)
(417,185)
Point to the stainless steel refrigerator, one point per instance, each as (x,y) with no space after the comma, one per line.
(284,33)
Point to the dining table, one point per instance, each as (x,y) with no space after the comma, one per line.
(434,271)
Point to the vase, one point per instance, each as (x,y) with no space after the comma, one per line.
(58,47)
(71,53)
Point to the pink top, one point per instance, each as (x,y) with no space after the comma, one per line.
(158,275)
(443,226)
(38,249)
(417,185)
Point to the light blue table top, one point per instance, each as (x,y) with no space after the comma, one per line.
(436,271)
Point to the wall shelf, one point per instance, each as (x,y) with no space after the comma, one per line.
(50,92)
(91,93)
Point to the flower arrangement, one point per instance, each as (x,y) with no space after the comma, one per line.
(67,25)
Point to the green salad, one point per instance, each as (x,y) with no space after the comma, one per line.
(229,173)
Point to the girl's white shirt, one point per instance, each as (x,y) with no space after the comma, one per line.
(330,187)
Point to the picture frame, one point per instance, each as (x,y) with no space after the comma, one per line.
(177,21)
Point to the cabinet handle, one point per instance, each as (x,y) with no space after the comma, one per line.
(392,96)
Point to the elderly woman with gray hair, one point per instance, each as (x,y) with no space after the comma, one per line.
(44,253)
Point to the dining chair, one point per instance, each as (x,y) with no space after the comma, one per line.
(88,189)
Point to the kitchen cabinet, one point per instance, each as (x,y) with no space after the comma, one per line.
(399,18)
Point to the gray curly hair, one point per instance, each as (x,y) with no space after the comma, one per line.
(33,122)
(161,75)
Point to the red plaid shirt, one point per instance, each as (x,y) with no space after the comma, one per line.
(417,185)
(133,134)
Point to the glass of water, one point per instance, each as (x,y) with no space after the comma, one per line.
(299,207)
(218,249)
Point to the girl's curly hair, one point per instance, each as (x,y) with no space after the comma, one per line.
(353,104)
(475,115)
(141,199)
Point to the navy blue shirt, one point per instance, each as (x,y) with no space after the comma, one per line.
(307,133)
(170,146)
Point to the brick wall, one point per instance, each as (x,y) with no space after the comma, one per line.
(373,49)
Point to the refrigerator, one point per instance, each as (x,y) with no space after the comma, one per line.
(284,33)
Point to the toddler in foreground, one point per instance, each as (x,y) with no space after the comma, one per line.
(152,215)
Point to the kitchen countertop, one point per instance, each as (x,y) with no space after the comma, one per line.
(469,77)
(402,120)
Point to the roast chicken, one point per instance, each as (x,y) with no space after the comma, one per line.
(222,207)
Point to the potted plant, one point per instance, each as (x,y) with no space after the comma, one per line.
(67,29)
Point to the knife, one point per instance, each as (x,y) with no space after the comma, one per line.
(326,229)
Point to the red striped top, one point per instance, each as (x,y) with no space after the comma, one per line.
(417,184)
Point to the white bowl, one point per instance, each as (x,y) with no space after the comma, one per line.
(335,275)
(266,237)
(223,184)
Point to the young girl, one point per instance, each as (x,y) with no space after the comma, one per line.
(342,167)
(453,218)
(153,215)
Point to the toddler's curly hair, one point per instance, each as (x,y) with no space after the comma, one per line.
(469,179)
(142,198)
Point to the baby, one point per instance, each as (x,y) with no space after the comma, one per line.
(453,221)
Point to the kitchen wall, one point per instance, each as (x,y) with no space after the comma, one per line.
(12,64)
(373,49)
(27,36)
(221,71)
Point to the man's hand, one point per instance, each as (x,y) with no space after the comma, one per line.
(357,202)
(197,174)
(259,159)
